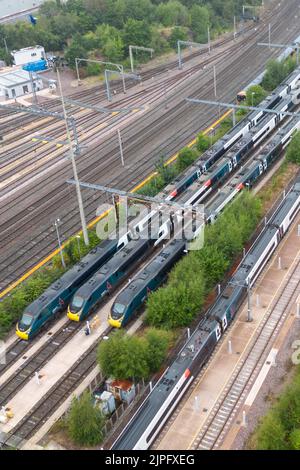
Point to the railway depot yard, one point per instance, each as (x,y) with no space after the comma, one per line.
(180,331)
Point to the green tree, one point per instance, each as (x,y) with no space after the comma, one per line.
(203,142)
(177,34)
(123,357)
(157,346)
(274,75)
(255,94)
(271,434)
(199,23)
(113,49)
(136,32)
(76,49)
(295,439)
(172,13)
(293,151)
(85,422)
(185,158)
(93,69)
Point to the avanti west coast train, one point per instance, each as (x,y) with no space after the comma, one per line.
(108,277)
(147,422)
(147,280)
(56,298)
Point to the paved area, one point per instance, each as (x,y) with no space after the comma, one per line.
(192,414)
(56,368)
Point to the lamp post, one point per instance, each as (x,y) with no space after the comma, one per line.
(56,224)
(78,244)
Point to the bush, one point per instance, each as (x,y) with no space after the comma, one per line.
(157,346)
(93,69)
(85,422)
(279,429)
(203,142)
(257,93)
(185,158)
(130,357)
(293,151)
(178,303)
(123,357)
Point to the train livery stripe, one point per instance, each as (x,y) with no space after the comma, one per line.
(48,258)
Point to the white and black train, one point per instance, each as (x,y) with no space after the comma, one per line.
(145,425)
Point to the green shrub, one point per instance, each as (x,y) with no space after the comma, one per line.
(85,422)
(130,357)
(178,303)
(185,158)
(293,151)
(203,142)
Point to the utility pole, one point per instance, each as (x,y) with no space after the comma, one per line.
(5,45)
(121,146)
(269,35)
(72,155)
(185,43)
(139,48)
(234,28)
(33,89)
(56,224)
(215,81)
(249,315)
(208,39)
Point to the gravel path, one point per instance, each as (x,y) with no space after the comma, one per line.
(275,383)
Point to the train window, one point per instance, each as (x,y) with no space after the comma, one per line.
(27,319)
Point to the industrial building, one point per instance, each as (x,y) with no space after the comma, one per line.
(28,55)
(18,83)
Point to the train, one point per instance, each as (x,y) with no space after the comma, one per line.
(107,278)
(211,156)
(56,298)
(235,156)
(152,414)
(253,170)
(133,296)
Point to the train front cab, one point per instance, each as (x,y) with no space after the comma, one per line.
(27,326)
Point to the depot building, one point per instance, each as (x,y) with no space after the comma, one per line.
(18,83)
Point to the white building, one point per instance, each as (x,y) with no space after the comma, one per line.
(18,83)
(28,54)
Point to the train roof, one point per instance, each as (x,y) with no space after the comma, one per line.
(110,267)
(141,280)
(67,279)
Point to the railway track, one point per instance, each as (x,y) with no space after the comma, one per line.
(233,396)
(16,263)
(39,359)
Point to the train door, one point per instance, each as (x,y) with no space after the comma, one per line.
(265,164)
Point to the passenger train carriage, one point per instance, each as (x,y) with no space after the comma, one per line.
(145,425)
